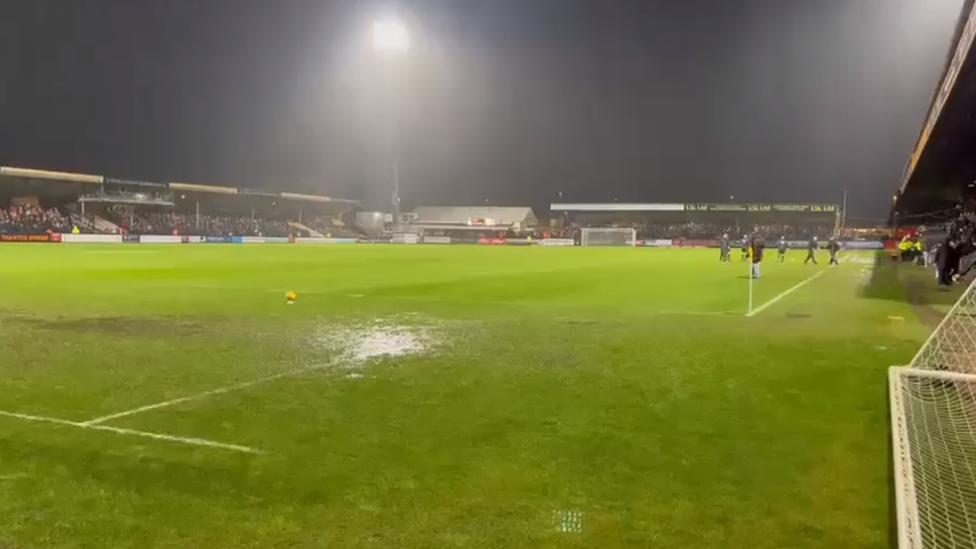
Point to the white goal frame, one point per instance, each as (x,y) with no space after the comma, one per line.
(933,432)
(587,232)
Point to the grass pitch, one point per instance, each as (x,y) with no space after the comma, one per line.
(442,397)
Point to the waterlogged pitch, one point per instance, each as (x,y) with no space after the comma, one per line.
(417,396)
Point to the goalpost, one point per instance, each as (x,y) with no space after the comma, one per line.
(608,236)
(933,423)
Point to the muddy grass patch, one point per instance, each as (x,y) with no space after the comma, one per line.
(116,326)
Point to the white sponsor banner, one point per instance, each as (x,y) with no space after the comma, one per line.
(557,242)
(437,240)
(404,238)
(194,239)
(160,239)
(657,244)
(325,241)
(252,240)
(91,238)
(863,245)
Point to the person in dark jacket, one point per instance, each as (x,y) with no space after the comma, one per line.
(947,259)
(812,251)
(757,248)
(833,247)
(726,248)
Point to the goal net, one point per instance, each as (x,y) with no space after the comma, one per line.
(933,420)
(608,237)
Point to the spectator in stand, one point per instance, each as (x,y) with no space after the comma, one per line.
(186,224)
(28,218)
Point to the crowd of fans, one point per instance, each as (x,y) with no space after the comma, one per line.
(31,218)
(187,224)
(954,251)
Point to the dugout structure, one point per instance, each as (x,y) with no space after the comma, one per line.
(933,423)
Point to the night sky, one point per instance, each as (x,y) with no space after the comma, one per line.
(512,101)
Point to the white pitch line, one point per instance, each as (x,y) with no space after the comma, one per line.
(27,417)
(185,440)
(773,301)
(175,401)
(199,396)
(146,434)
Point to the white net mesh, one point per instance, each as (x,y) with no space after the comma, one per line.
(935,458)
(608,237)
(952,346)
(933,417)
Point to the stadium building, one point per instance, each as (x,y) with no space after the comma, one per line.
(469,224)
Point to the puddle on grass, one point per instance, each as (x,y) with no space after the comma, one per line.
(356,344)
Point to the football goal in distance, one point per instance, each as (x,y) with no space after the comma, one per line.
(608,237)
(933,431)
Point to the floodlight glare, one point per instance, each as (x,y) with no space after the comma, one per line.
(390,37)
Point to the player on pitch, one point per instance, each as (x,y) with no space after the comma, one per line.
(757,246)
(726,248)
(812,251)
(833,247)
(781,249)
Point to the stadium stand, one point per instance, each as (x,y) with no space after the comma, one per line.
(204,225)
(98,204)
(704,221)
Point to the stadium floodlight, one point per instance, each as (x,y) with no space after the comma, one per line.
(622,236)
(933,425)
(390,36)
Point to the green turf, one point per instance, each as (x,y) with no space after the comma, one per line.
(623,384)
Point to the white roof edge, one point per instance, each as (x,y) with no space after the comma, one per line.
(617,207)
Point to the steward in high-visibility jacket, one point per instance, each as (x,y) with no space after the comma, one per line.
(906,247)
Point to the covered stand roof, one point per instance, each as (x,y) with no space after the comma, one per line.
(942,168)
(23,178)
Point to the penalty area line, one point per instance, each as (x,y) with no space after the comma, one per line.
(132,432)
(96,422)
(774,300)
